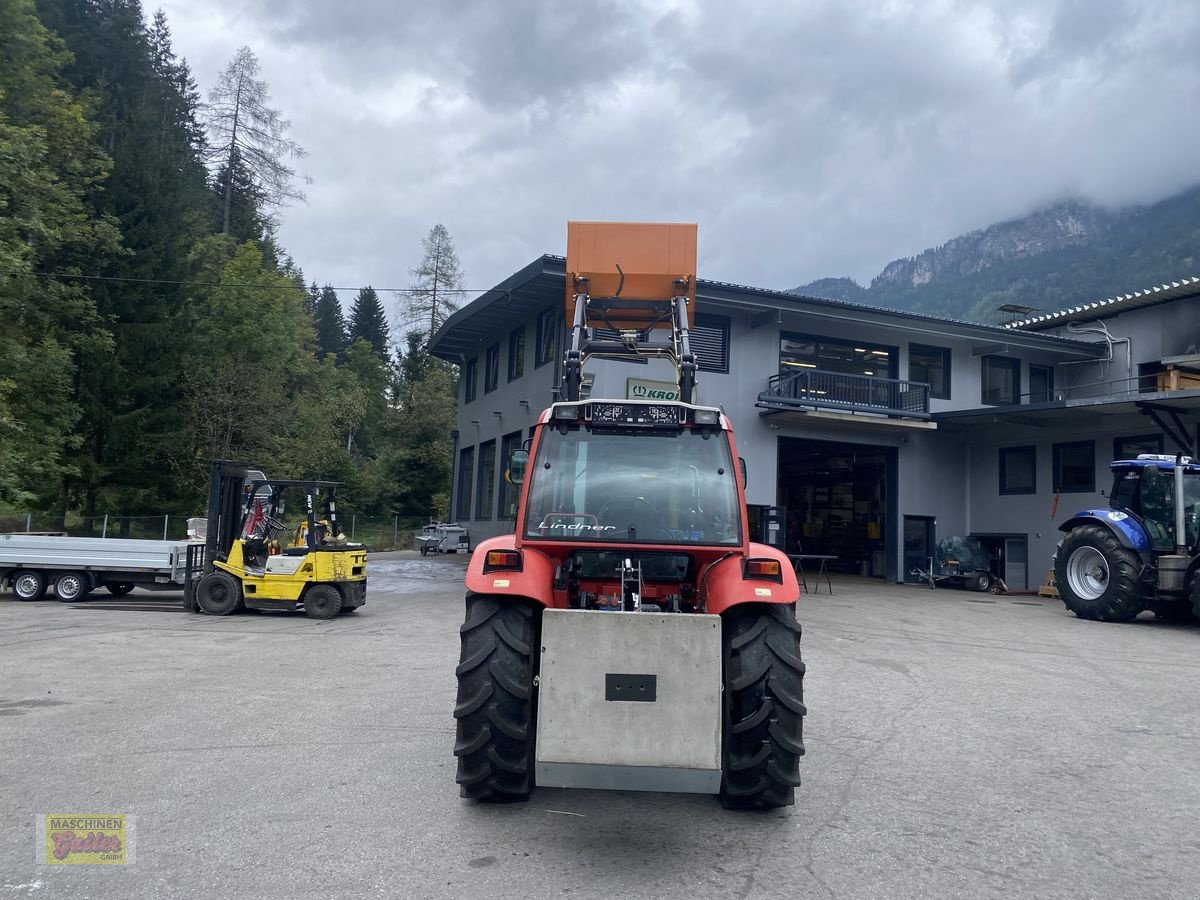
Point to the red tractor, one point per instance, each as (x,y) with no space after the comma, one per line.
(629,635)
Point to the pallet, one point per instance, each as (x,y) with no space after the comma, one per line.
(1050,588)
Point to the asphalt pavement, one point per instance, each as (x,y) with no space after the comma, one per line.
(959,745)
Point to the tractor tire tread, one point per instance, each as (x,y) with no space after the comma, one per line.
(495,709)
(1123,599)
(764,707)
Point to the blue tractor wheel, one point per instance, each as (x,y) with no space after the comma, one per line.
(1097,576)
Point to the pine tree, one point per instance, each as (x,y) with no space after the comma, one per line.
(330,323)
(250,143)
(369,322)
(438,287)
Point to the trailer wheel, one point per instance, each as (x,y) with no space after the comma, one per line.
(764,707)
(28,584)
(496,705)
(72,586)
(980,581)
(322,601)
(1097,577)
(120,589)
(218,594)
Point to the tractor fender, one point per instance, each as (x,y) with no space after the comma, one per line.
(1128,529)
(724,583)
(533,581)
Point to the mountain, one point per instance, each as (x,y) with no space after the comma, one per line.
(1068,253)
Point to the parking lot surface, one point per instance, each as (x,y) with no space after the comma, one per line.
(959,745)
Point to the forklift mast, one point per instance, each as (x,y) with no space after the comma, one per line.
(225,487)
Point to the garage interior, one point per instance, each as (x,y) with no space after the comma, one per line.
(836,497)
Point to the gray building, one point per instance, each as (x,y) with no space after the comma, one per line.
(875,432)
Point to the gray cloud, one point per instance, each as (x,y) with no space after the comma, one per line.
(810,139)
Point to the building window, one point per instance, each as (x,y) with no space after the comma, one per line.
(487,480)
(466,468)
(1018,470)
(547,337)
(491,369)
(509,492)
(932,366)
(709,339)
(799,351)
(470,373)
(516,353)
(1075,467)
(1041,384)
(1001,380)
(1130,447)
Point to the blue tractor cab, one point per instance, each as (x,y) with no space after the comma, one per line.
(1141,552)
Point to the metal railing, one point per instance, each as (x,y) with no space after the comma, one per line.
(838,390)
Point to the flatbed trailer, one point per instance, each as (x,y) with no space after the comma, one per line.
(75,566)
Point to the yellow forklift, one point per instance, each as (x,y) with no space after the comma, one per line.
(243,565)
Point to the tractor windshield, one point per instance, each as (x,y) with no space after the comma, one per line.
(1149,491)
(675,488)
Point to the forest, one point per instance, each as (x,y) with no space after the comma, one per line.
(151,320)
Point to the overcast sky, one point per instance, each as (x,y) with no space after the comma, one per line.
(807,139)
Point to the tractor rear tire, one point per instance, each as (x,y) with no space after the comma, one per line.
(764,707)
(29,584)
(322,601)
(218,594)
(1097,577)
(120,589)
(496,705)
(1195,597)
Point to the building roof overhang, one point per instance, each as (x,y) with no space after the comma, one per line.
(1082,411)
(542,283)
(1101,309)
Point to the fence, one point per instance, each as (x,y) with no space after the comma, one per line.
(377,532)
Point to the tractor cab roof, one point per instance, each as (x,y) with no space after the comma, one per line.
(1162,461)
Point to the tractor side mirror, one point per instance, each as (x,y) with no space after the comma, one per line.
(516,466)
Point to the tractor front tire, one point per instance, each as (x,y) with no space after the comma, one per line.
(496,705)
(218,594)
(764,707)
(1097,577)
(322,601)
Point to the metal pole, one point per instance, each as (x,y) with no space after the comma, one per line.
(165,518)
(395,532)
(104,530)
(29,521)
(353,523)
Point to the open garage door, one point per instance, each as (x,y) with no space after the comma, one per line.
(837,499)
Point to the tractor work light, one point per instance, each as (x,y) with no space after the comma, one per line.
(566,411)
(707,417)
(766,569)
(502,560)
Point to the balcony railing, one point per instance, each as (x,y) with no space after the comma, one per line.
(837,390)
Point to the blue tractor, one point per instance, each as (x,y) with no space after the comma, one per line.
(1141,552)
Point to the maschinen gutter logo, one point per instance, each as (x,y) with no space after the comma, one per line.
(72,839)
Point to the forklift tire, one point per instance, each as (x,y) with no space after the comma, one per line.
(764,707)
(28,584)
(496,705)
(1097,577)
(72,586)
(980,581)
(322,601)
(120,589)
(218,594)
